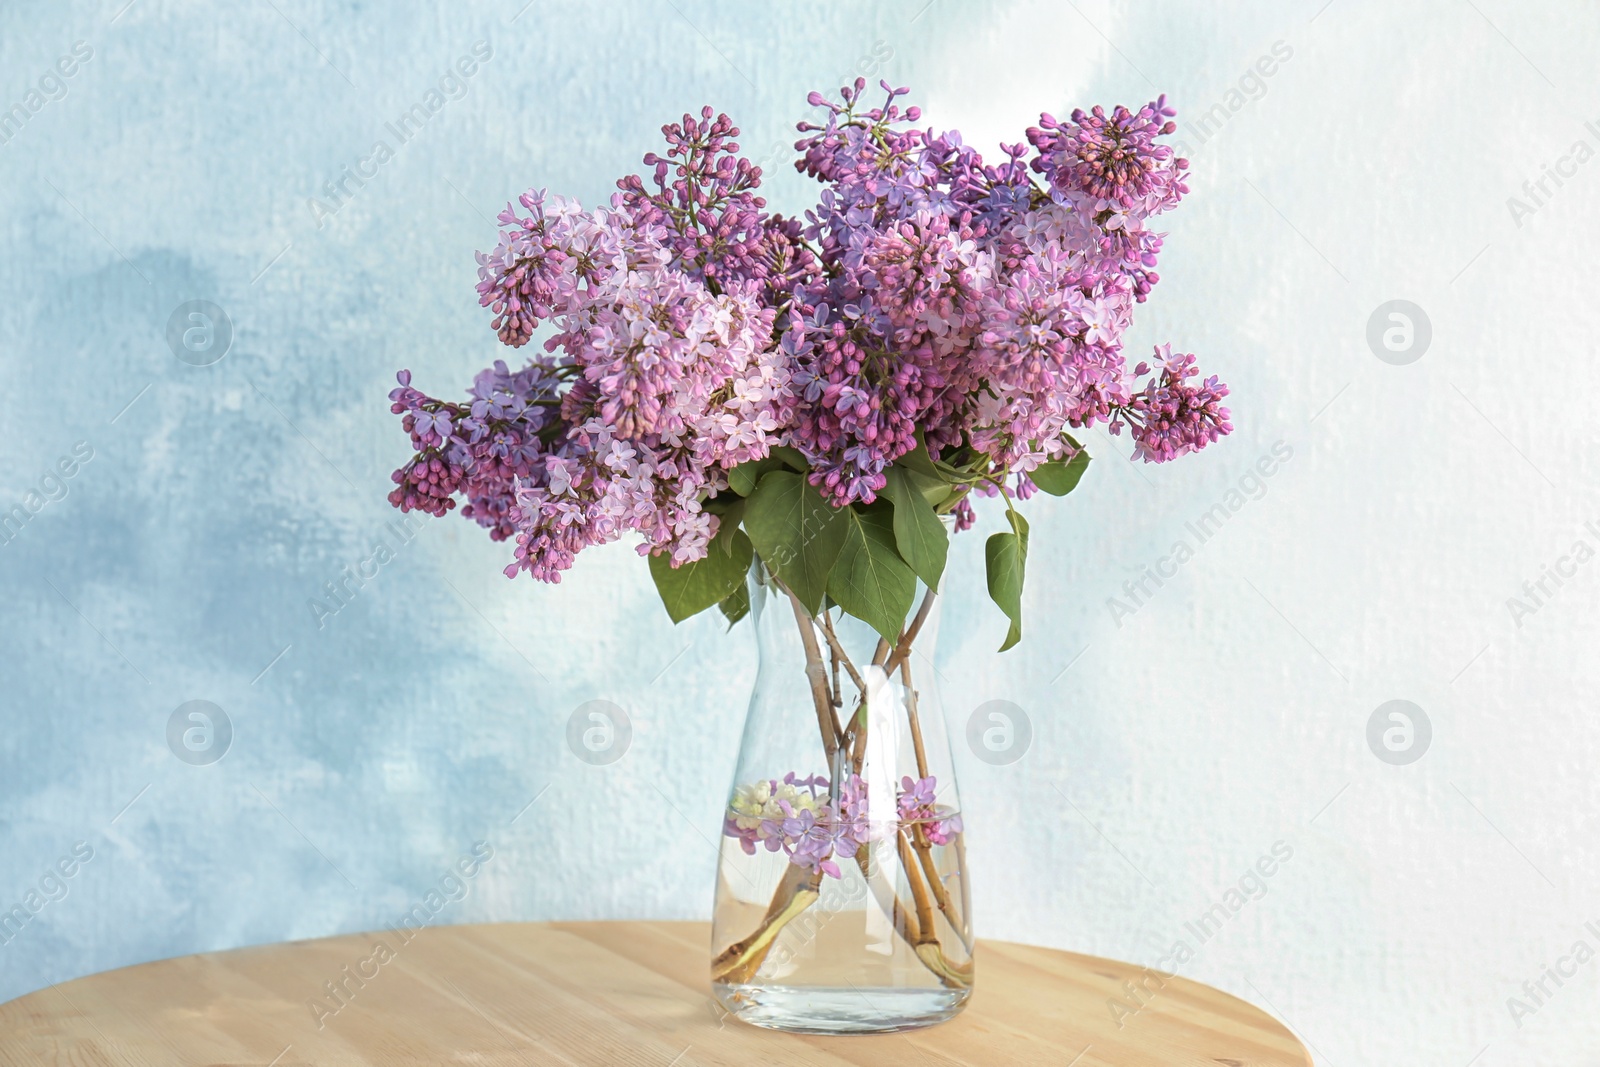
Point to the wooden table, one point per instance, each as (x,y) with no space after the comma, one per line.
(594,993)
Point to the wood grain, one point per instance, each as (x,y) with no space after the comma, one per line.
(581,994)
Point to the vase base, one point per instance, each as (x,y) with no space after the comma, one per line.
(847,1010)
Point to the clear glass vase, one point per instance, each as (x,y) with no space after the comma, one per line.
(843,902)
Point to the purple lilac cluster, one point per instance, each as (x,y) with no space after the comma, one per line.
(478,450)
(665,382)
(975,307)
(963,300)
(795,816)
(917,807)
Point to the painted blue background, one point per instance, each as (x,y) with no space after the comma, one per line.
(1171,747)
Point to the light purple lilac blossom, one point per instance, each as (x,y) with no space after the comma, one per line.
(918,807)
(978,305)
(795,816)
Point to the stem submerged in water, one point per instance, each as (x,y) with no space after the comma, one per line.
(827,722)
(799,888)
(797,891)
(919,833)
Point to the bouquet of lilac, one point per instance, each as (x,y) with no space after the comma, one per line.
(816,402)
(819,391)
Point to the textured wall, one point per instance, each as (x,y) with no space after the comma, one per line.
(1178,733)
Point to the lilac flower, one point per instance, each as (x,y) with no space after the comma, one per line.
(715,227)
(1170,416)
(917,807)
(855,828)
(812,841)
(434,426)
(794,817)
(928,296)
(483,464)
(1115,159)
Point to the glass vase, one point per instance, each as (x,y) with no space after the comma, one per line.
(842,902)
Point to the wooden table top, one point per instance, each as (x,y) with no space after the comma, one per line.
(607,993)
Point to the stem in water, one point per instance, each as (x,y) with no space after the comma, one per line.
(845,748)
(797,891)
(832,736)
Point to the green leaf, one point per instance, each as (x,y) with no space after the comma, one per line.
(1058,478)
(746,476)
(789,457)
(959,475)
(918,533)
(918,460)
(870,580)
(941,490)
(736,605)
(1005,558)
(948,504)
(728,525)
(797,533)
(693,587)
(933,488)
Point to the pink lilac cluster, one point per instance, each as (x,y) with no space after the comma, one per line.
(1170,416)
(668,382)
(967,302)
(479,449)
(977,308)
(918,807)
(796,817)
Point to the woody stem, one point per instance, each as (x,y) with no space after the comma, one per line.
(902,648)
(799,888)
(817,674)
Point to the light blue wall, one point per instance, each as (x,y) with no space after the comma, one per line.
(1171,748)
